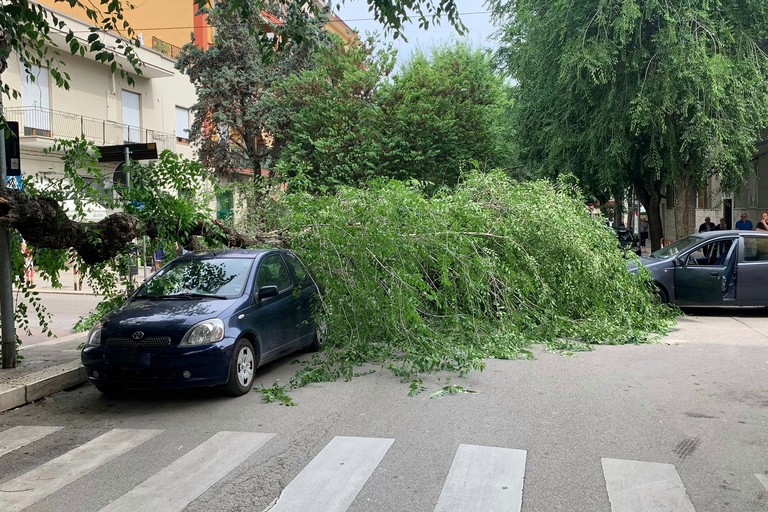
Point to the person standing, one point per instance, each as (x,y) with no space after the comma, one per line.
(763,224)
(723,226)
(708,225)
(744,223)
(643,231)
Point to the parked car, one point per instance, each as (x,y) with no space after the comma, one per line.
(206,319)
(627,240)
(714,268)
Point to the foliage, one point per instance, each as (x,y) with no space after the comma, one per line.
(326,121)
(392,14)
(440,116)
(231,81)
(648,93)
(425,285)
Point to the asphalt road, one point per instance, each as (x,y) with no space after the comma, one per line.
(694,405)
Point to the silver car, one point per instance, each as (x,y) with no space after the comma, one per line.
(714,268)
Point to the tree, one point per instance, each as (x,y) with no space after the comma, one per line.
(232,79)
(326,120)
(647,94)
(440,116)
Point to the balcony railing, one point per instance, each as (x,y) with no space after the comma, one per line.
(43,122)
(165,48)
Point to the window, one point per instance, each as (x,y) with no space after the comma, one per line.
(755,249)
(35,99)
(224,205)
(712,254)
(702,197)
(299,270)
(131,117)
(182,124)
(272,271)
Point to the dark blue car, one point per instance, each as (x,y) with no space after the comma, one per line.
(206,319)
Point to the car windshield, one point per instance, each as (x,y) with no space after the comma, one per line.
(214,277)
(676,248)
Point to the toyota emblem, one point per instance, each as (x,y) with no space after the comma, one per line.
(137,335)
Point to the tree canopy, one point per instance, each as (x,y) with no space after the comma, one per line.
(644,93)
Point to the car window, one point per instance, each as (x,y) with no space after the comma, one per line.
(299,270)
(214,276)
(676,248)
(755,249)
(711,254)
(272,271)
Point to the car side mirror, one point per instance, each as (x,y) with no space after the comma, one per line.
(268,291)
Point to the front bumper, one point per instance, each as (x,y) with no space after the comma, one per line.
(158,367)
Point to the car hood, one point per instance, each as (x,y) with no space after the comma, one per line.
(164,317)
(647,262)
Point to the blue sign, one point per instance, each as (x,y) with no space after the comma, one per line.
(13,182)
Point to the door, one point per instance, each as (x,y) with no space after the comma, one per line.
(701,276)
(752,271)
(274,318)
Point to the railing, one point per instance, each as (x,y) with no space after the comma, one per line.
(43,122)
(165,48)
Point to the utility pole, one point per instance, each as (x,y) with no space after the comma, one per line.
(8,328)
(8,331)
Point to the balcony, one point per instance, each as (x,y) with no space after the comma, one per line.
(43,123)
(167,49)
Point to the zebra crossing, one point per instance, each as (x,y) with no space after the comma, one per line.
(480,478)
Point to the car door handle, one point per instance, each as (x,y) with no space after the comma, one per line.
(714,274)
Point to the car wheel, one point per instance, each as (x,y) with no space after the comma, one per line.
(242,368)
(662,296)
(317,341)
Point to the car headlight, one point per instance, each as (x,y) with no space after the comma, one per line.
(94,337)
(209,331)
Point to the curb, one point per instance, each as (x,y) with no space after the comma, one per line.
(40,384)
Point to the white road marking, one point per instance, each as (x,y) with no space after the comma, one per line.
(763,480)
(332,480)
(484,479)
(183,481)
(48,478)
(16,437)
(635,486)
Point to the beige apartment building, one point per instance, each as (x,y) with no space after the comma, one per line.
(99,105)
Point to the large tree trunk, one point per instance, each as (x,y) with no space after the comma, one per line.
(649,195)
(684,223)
(43,223)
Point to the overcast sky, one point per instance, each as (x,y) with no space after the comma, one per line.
(474,14)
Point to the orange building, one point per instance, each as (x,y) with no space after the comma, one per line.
(166,25)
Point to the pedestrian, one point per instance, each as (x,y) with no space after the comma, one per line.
(707,225)
(157,257)
(643,231)
(723,226)
(29,264)
(744,223)
(763,224)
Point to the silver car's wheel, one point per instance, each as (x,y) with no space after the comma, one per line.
(242,368)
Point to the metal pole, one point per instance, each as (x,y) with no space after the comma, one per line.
(144,255)
(8,330)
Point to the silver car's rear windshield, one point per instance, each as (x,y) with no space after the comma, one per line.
(215,277)
(676,248)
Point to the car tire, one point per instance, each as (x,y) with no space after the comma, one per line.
(662,296)
(319,338)
(242,368)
